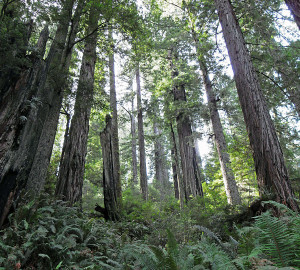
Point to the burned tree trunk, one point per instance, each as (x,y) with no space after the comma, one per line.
(270,168)
(110,184)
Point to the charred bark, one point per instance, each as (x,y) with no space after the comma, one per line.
(270,168)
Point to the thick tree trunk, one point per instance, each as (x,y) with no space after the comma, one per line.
(17,101)
(294,7)
(269,162)
(177,175)
(160,162)
(133,145)
(38,173)
(143,170)
(15,110)
(17,162)
(190,170)
(111,200)
(71,172)
(114,121)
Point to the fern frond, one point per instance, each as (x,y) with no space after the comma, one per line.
(276,240)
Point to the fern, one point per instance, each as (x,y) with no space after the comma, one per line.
(277,241)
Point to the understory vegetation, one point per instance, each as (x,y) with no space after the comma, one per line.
(46,234)
(149,134)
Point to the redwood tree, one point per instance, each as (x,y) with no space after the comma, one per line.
(271,171)
(141,138)
(71,172)
(192,185)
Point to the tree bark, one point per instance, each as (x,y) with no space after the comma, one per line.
(71,172)
(294,7)
(109,182)
(143,170)
(133,145)
(190,171)
(177,175)
(15,111)
(269,162)
(160,163)
(17,101)
(44,151)
(17,162)
(114,121)
(232,193)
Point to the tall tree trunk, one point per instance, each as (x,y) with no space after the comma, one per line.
(133,145)
(269,162)
(38,173)
(17,162)
(160,162)
(190,170)
(177,175)
(294,7)
(71,172)
(232,193)
(109,182)
(22,91)
(15,111)
(143,170)
(114,121)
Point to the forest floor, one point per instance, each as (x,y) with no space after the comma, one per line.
(46,234)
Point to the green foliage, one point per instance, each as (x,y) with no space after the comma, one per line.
(279,237)
(49,235)
(46,234)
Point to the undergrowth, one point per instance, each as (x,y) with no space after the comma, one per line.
(46,234)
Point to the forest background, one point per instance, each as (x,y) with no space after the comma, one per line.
(103,105)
